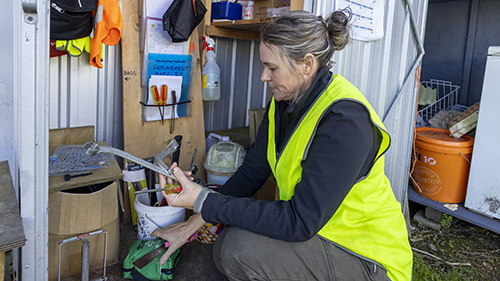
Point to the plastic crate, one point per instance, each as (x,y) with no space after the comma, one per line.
(226,10)
(446,99)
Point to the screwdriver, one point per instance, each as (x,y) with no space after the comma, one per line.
(155,94)
(170,188)
(172,117)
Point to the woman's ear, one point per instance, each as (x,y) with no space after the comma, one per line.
(310,64)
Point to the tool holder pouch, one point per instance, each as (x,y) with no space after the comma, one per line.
(143,261)
(70,19)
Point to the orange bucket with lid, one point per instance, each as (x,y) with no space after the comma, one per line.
(442,164)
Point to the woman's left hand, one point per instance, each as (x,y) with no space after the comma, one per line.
(187,196)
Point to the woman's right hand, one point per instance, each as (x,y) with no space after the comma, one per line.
(178,234)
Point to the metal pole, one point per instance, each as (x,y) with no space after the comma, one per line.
(85,259)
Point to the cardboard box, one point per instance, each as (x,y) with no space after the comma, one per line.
(255,116)
(77,213)
(71,253)
(260,7)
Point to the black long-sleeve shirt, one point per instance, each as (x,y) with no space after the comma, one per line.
(342,151)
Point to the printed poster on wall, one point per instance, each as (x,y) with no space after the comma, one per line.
(367,18)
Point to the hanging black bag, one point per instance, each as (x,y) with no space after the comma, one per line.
(182,17)
(71,19)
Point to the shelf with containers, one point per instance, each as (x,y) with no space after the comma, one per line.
(247,29)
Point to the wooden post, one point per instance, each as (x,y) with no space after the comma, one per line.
(146,139)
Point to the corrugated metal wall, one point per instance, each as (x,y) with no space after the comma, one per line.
(82,95)
(384,70)
(241,88)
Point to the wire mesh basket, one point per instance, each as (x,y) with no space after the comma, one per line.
(446,98)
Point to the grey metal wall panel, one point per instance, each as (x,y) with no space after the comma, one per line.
(241,84)
(82,95)
(7,24)
(241,88)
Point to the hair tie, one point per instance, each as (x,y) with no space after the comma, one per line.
(325,23)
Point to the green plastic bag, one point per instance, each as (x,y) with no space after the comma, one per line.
(143,261)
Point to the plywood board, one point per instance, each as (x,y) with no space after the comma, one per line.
(145,139)
(11,227)
(70,136)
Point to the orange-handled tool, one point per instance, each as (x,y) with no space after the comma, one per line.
(156,94)
(164,90)
(170,188)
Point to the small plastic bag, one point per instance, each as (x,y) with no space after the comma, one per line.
(143,261)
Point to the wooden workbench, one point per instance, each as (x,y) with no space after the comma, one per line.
(11,227)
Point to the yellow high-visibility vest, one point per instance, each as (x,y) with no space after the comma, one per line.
(75,47)
(369,222)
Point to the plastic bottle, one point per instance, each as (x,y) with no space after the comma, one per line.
(211,74)
(248,11)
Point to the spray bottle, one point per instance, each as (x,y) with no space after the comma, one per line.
(210,72)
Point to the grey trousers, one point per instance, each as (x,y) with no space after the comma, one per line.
(244,255)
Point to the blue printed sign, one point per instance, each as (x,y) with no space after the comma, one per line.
(173,65)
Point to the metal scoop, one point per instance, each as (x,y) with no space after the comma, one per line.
(159,166)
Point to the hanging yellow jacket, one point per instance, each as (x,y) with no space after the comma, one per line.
(75,47)
(369,222)
(108,29)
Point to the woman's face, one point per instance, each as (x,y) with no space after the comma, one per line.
(283,82)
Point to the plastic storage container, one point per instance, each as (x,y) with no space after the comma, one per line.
(226,10)
(213,139)
(442,164)
(223,159)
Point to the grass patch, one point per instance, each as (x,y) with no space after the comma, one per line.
(429,270)
(460,252)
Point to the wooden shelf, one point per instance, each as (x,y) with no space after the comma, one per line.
(240,29)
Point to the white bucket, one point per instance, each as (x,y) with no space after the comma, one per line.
(150,218)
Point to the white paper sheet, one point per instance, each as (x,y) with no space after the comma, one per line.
(159,41)
(153,113)
(152,9)
(368,18)
(156,8)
